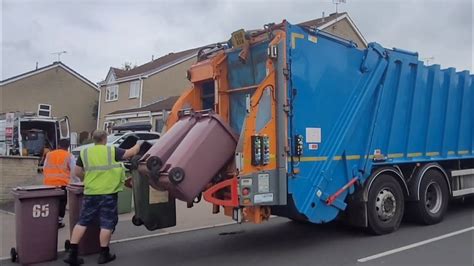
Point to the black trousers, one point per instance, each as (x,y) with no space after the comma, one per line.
(63,203)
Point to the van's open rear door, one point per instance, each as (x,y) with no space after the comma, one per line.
(64,128)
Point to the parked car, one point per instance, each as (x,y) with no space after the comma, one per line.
(117,138)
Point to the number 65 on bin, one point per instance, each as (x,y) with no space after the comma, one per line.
(40,210)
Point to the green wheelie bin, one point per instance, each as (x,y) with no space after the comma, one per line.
(124,201)
(154,209)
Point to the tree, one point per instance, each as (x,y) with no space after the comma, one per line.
(95,110)
(128,66)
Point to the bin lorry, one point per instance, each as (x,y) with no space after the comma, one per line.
(295,122)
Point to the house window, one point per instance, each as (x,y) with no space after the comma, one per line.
(159,124)
(134,89)
(108,126)
(111,93)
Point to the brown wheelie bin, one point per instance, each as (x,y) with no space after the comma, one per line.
(159,153)
(203,152)
(90,242)
(36,222)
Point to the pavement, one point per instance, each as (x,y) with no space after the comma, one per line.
(187,218)
(282,242)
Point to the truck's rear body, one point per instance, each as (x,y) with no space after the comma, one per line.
(315,117)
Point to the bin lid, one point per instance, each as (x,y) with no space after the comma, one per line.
(223,124)
(76,188)
(76,184)
(36,191)
(34,187)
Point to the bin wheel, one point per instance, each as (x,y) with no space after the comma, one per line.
(136,221)
(13,255)
(134,162)
(67,245)
(176,175)
(154,163)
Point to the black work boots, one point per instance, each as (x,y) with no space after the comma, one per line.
(73,259)
(105,256)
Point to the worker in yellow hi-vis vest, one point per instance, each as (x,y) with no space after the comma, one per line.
(103,176)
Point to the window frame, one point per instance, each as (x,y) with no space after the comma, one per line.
(137,95)
(108,126)
(108,88)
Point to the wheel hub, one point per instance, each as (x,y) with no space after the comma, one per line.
(433,197)
(385,205)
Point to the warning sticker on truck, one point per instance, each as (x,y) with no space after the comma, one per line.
(156,196)
(313,135)
(261,198)
(313,146)
(263,183)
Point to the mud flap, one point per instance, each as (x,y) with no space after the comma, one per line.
(356,211)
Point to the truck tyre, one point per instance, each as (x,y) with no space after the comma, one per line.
(434,197)
(385,205)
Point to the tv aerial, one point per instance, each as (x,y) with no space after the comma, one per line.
(59,54)
(337,3)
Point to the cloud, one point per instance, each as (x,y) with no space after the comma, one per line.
(100,34)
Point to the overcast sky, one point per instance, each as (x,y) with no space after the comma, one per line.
(99,34)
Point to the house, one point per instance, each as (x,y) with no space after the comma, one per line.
(131,95)
(339,24)
(65,90)
(153,114)
(122,92)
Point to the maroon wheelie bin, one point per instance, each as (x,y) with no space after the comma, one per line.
(157,155)
(90,242)
(198,158)
(36,222)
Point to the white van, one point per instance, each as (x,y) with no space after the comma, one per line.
(31,134)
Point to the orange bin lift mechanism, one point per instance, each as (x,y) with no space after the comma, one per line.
(216,69)
(269,129)
(189,99)
(258,214)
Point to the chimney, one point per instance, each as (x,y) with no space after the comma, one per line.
(323,17)
(152,57)
(36,65)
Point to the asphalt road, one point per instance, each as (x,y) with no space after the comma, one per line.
(282,242)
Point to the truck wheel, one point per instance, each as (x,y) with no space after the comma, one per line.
(433,202)
(385,206)
(13,255)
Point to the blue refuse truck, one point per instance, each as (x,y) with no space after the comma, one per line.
(326,129)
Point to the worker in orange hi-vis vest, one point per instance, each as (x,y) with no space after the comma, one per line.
(57,169)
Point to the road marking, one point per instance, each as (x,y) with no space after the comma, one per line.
(414,245)
(154,235)
(7,212)
(170,232)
